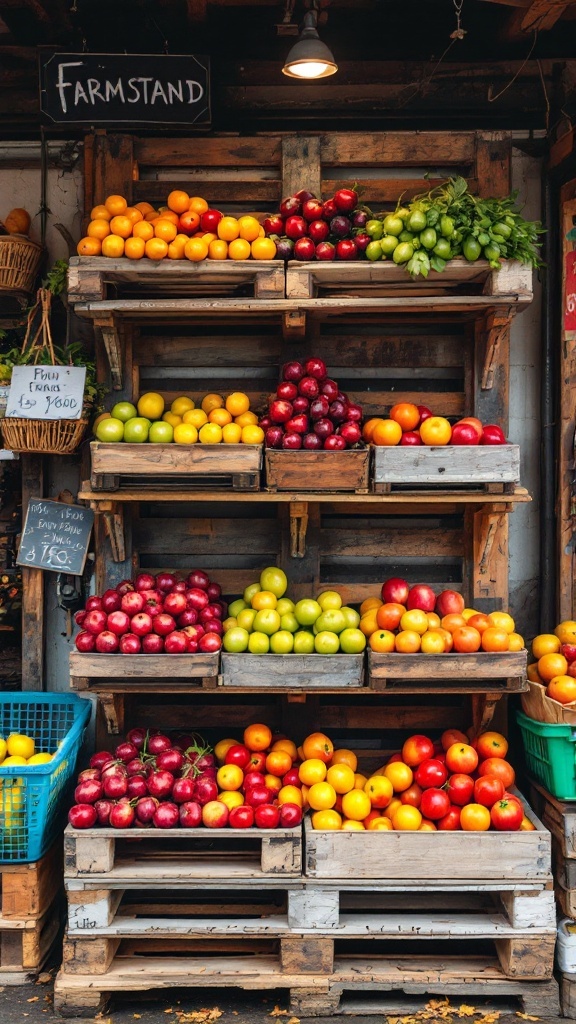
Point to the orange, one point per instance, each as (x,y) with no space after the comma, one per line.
(185,433)
(322,796)
(360,780)
(100,213)
(545,643)
(156,249)
(206,236)
(172,419)
(400,775)
(239,249)
(151,216)
(407,819)
(98,228)
(468,640)
(246,419)
(116,205)
(133,214)
(533,674)
(515,642)
(228,229)
(382,641)
(290,795)
(388,615)
(387,433)
(416,620)
(264,599)
(231,433)
(179,201)
(502,621)
(164,229)
(166,214)
(143,230)
(562,688)
(197,417)
(317,744)
(566,631)
(252,435)
(356,804)
(198,205)
(263,249)
(406,415)
(212,401)
(341,777)
(134,248)
(432,642)
(352,826)
(144,208)
(237,403)
(249,228)
(176,249)
(196,250)
(220,416)
(257,736)
(407,642)
(551,665)
(345,756)
(493,639)
(327,821)
(121,225)
(453,621)
(369,426)
(218,250)
(311,771)
(433,620)
(89,246)
(368,623)
(210,433)
(288,746)
(112,245)
(370,604)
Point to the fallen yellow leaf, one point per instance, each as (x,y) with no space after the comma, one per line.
(277,1012)
(525,1016)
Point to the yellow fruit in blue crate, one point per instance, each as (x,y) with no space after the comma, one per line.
(20,745)
(14,759)
(40,759)
(12,806)
(3,749)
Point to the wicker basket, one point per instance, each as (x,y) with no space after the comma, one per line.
(48,437)
(19,261)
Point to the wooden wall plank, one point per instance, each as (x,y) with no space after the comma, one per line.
(566,499)
(397,149)
(493,163)
(260,151)
(33,624)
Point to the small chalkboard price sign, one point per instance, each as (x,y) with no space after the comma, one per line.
(55,536)
(46,392)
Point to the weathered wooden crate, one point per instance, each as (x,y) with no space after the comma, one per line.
(318,471)
(293,671)
(559,816)
(25,944)
(27,890)
(422,467)
(163,465)
(467,673)
(381,279)
(194,854)
(514,856)
(123,670)
(92,278)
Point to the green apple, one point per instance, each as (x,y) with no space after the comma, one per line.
(274,580)
(246,617)
(282,642)
(329,599)
(289,621)
(161,433)
(110,429)
(326,643)
(352,617)
(136,431)
(352,641)
(307,611)
(258,643)
(236,640)
(124,411)
(267,621)
(236,607)
(303,642)
(248,594)
(284,605)
(331,620)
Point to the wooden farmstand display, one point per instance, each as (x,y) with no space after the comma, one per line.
(177,328)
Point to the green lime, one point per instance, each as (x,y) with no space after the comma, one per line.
(442,249)
(403,252)
(416,221)
(374,228)
(374,251)
(393,225)
(406,236)
(471,249)
(388,244)
(428,238)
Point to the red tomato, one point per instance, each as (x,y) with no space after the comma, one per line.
(412,795)
(460,789)
(435,804)
(461,757)
(507,815)
(488,790)
(451,736)
(451,821)
(416,750)
(431,773)
(500,768)
(491,744)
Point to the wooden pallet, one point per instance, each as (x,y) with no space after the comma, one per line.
(197,466)
(568,995)
(444,673)
(25,944)
(318,471)
(225,854)
(471,978)
(92,278)
(27,890)
(491,469)
(559,816)
(293,671)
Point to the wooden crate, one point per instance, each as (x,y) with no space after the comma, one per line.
(518,856)
(94,278)
(126,671)
(423,467)
(473,673)
(27,890)
(559,816)
(383,279)
(293,671)
(26,944)
(174,465)
(318,471)
(228,854)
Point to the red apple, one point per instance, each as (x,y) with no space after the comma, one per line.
(190,814)
(312,209)
(449,602)
(290,815)
(464,433)
(175,604)
(476,423)
(315,367)
(329,209)
(267,816)
(395,591)
(241,817)
(254,778)
(215,814)
(210,220)
(354,413)
(340,226)
(311,442)
(329,388)
(290,206)
(198,578)
(188,618)
(239,755)
(308,387)
(274,224)
(410,438)
(492,434)
(85,642)
(209,643)
(351,432)
(346,249)
(421,596)
(145,581)
(94,604)
(292,441)
(304,249)
(295,227)
(300,404)
(323,428)
(280,411)
(337,411)
(569,652)
(293,371)
(334,443)
(197,599)
(123,588)
(299,424)
(318,231)
(213,626)
(165,581)
(152,644)
(287,391)
(319,407)
(325,251)
(425,412)
(273,437)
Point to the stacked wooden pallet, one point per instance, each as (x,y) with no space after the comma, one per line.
(30,915)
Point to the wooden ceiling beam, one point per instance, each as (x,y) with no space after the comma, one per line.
(543,14)
(196,11)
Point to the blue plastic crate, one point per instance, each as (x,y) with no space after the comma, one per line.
(33,798)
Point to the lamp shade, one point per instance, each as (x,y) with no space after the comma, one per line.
(310,57)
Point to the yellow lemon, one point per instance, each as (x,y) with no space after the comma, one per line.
(181,405)
(197,417)
(3,749)
(212,401)
(210,433)
(232,433)
(14,759)
(22,746)
(185,433)
(252,435)
(246,419)
(249,228)
(151,405)
(173,420)
(40,759)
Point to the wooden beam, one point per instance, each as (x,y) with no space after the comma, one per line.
(196,11)
(32,587)
(542,15)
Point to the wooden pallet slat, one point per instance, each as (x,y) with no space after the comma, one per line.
(142,666)
(236,465)
(318,470)
(27,890)
(475,467)
(293,671)
(481,672)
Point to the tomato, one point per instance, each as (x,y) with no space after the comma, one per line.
(341,777)
(257,737)
(356,805)
(461,757)
(319,746)
(312,770)
(435,430)
(278,763)
(460,788)
(345,756)
(507,815)
(406,414)
(467,640)
(475,818)
(431,773)
(500,768)
(382,641)
(407,819)
(428,237)
(412,795)
(562,688)
(446,226)
(379,790)
(551,665)
(545,643)
(400,775)
(495,639)
(451,821)
(491,744)
(435,804)
(450,736)
(488,790)
(526,825)
(417,749)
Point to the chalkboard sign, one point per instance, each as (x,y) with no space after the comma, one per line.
(46,392)
(124,88)
(55,536)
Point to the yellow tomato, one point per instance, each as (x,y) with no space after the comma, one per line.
(371,604)
(99,228)
(230,797)
(220,416)
(134,248)
(263,249)
(326,821)
(20,745)
(341,777)
(360,780)
(400,775)
(380,825)
(407,819)
(252,435)
(515,642)
(222,748)
(228,229)
(290,795)
(288,746)
(249,228)
(502,621)
(353,826)
(312,771)
(218,250)
(230,777)
(356,805)
(344,756)
(239,249)
(322,796)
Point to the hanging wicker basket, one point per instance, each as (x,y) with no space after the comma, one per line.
(19,262)
(47,437)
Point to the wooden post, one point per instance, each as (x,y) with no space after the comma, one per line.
(301,164)
(493,163)
(32,587)
(566,500)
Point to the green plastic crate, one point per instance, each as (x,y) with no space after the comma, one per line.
(550,752)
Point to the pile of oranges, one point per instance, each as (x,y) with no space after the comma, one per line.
(217,419)
(186,228)
(554,662)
